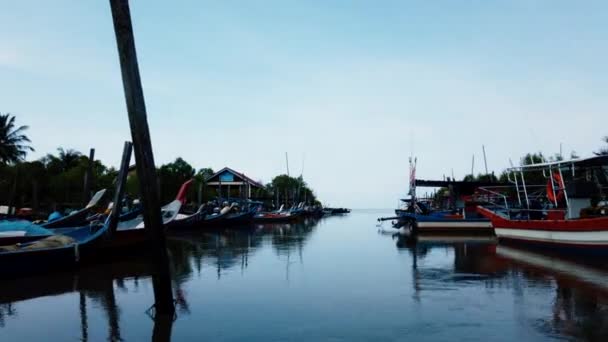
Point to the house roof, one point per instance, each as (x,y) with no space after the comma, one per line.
(238,174)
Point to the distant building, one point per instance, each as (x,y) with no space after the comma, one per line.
(229,183)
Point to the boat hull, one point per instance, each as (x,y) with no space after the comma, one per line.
(578,235)
(430,224)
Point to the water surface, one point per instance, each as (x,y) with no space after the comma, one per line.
(337,279)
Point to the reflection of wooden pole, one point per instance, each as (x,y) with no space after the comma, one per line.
(163,325)
(88,177)
(144,158)
(84,326)
(113,314)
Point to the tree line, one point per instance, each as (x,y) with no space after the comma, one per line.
(58,179)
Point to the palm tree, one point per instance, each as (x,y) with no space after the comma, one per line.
(13,143)
(65,159)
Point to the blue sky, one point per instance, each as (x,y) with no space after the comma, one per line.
(353,87)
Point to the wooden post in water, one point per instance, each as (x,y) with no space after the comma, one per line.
(11,200)
(144,158)
(35,203)
(121,184)
(88,177)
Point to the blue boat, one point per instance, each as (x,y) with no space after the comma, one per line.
(55,252)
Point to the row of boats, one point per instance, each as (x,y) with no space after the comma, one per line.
(569,212)
(89,235)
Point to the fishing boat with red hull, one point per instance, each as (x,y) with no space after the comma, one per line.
(568,213)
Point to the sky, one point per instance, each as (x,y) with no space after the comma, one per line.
(350,89)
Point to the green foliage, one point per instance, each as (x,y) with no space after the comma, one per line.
(290,190)
(172,176)
(14,145)
(481,178)
(52,179)
(603,150)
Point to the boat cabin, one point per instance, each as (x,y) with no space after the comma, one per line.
(556,190)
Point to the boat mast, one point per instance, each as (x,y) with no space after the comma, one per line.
(485,161)
(473,166)
(563,188)
(515,180)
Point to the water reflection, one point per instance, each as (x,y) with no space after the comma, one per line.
(577,289)
(189,254)
(580,304)
(226,249)
(333,280)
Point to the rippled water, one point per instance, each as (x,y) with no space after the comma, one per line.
(338,279)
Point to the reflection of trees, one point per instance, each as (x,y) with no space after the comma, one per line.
(291,237)
(6,310)
(224,249)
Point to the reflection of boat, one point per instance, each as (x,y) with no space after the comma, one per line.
(78,218)
(556,217)
(558,266)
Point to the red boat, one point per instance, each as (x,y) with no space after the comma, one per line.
(567,212)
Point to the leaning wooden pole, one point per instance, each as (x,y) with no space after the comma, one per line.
(88,177)
(144,158)
(121,183)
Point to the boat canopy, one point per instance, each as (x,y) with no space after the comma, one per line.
(591,162)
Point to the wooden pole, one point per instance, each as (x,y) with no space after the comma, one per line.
(11,201)
(121,184)
(144,158)
(287,162)
(88,177)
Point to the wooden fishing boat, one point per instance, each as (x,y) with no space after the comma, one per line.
(185,222)
(446,223)
(276,217)
(52,253)
(241,218)
(429,215)
(562,222)
(78,218)
(169,212)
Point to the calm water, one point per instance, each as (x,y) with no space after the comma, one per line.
(338,279)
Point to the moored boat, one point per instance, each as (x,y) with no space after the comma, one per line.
(79,217)
(427,216)
(563,216)
(59,251)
